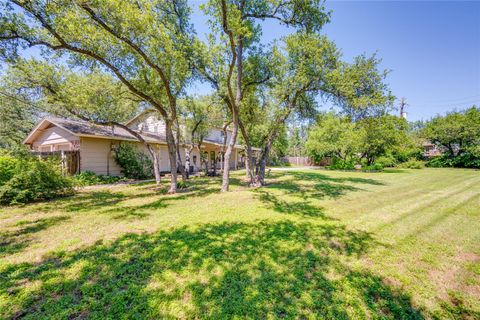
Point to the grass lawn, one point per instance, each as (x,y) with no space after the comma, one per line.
(403,244)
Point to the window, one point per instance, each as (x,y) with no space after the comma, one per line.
(195,160)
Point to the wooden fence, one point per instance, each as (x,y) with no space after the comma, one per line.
(298,161)
(69,160)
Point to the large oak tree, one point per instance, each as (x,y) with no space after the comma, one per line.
(145,44)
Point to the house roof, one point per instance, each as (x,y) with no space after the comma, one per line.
(81,128)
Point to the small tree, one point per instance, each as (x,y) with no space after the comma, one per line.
(332,136)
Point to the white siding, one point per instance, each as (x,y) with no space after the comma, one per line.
(53,136)
(149,123)
(217,135)
(96,156)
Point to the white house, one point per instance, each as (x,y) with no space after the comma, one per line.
(94,145)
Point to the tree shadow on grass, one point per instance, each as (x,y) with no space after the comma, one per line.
(160,201)
(302,208)
(318,177)
(318,186)
(13,241)
(231,270)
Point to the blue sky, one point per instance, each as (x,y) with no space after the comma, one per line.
(431,47)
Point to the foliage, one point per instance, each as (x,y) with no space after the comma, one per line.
(92,94)
(464,160)
(373,167)
(8,164)
(379,135)
(412,164)
(367,139)
(147,45)
(455,132)
(16,118)
(89,178)
(182,185)
(340,164)
(332,136)
(135,164)
(387,160)
(299,235)
(359,88)
(30,179)
(458,134)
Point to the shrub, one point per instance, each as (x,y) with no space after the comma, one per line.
(339,164)
(412,164)
(35,180)
(7,167)
(465,160)
(89,178)
(375,166)
(135,164)
(386,161)
(182,184)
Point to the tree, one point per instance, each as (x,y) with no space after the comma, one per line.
(378,135)
(232,44)
(457,132)
(359,89)
(17,118)
(145,44)
(94,96)
(332,136)
(199,114)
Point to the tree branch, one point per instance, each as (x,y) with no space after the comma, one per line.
(65,45)
(136,48)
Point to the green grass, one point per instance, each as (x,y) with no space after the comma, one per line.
(403,244)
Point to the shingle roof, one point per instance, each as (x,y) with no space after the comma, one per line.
(84,128)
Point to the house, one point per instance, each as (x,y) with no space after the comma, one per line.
(431,150)
(93,146)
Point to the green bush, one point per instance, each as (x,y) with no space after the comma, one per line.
(35,180)
(465,160)
(386,161)
(412,164)
(89,178)
(375,166)
(182,184)
(7,167)
(135,164)
(339,164)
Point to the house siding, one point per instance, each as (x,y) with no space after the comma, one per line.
(95,156)
(53,136)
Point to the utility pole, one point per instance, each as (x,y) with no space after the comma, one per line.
(403,104)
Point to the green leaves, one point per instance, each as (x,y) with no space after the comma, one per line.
(94,95)
(145,44)
(457,132)
(359,89)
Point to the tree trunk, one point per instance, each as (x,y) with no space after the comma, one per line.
(228,152)
(180,166)
(262,163)
(249,165)
(156,163)
(187,160)
(171,155)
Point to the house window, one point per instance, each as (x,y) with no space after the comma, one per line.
(195,160)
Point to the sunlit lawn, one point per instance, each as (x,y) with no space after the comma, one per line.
(312,244)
